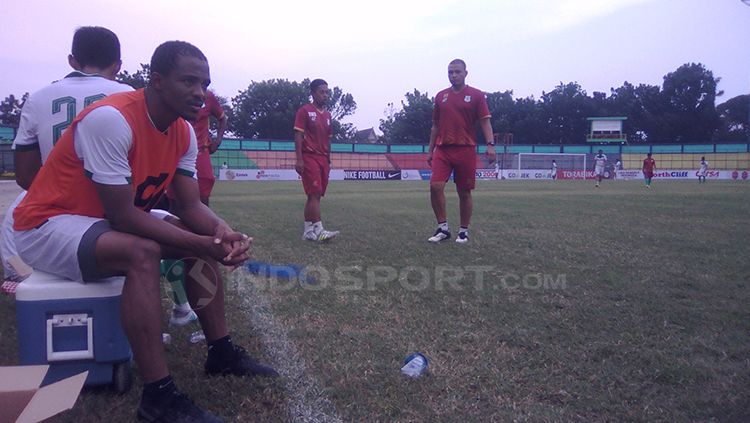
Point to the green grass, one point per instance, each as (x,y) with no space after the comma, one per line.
(609,304)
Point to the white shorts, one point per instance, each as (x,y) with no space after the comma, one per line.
(65,245)
(701,173)
(8,243)
(599,171)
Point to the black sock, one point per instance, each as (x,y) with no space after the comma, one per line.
(221,346)
(154,390)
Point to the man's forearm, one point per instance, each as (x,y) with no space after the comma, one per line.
(220,130)
(433,137)
(487,131)
(199,218)
(298,139)
(140,223)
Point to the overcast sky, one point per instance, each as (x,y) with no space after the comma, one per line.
(379,50)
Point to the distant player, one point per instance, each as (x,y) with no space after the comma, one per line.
(600,161)
(553,171)
(207,146)
(312,141)
(618,167)
(95,58)
(455,115)
(702,171)
(649,167)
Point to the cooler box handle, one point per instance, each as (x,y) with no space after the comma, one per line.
(70,320)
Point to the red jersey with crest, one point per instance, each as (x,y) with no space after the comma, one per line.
(456,115)
(129,151)
(316,126)
(649,164)
(211,107)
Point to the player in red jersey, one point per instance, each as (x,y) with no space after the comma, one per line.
(312,141)
(649,167)
(453,147)
(182,314)
(207,146)
(115,160)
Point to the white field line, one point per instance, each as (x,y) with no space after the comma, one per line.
(306,402)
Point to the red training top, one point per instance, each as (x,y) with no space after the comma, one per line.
(456,115)
(211,107)
(315,125)
(649,164)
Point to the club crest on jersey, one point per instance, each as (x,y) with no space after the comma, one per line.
(312,116)
(467,99)
(445,97)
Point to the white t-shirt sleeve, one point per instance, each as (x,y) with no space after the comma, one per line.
(102,140)
(186,165)
(28,131)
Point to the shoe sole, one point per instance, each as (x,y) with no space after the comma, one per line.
(182,321)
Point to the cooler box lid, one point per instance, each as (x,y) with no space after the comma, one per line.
(44,286)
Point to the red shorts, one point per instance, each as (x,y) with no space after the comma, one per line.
(315,175)
(461,159)
(205,173)
(647,174)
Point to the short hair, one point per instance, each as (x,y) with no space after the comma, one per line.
(95,46)
(317,83)
(648,154)
(458,62)
(164,60)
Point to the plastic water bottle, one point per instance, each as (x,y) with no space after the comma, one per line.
(414,365)
(197,336)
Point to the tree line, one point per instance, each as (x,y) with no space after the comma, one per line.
(682,110)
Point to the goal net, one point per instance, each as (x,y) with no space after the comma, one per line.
(564,161)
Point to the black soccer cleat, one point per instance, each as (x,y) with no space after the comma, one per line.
(174,407)
(237,363)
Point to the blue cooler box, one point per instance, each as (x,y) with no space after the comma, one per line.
(73,327)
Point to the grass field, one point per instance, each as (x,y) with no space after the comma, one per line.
(570,303)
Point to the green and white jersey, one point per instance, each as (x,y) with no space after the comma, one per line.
(49,111)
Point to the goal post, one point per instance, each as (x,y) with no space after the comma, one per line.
(564,161)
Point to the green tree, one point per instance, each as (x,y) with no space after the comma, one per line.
(266,109)
(643,106)
(528,124)
(411,124)
(689,94)
(502,108)
(735,119)
(565,110)
(137,80)
(10,110)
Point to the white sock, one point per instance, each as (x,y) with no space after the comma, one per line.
(308,226)
(184,308)
(443,226)
(463,230)
(318,226)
